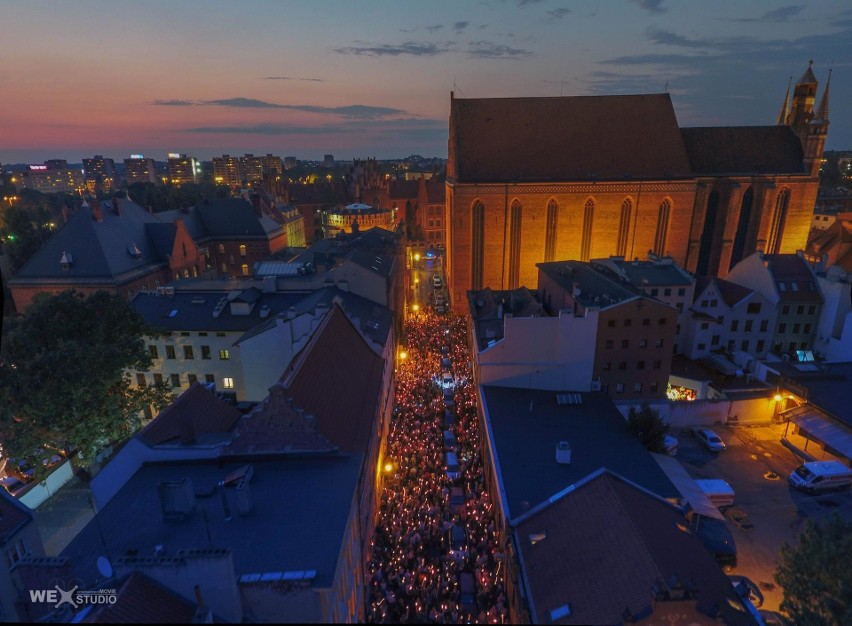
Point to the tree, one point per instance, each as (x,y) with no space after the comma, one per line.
(62,375)
(646,424)
(27,225)
(816,576)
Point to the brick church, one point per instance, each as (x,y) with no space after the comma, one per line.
(533,180)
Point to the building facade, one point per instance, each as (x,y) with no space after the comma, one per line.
(531,180)
(100,173)
(52,176)
(183,169)
(138,169)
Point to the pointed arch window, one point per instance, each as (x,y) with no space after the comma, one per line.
(743,223)
(588,222)
(477,248)
(624,227)
(551,230)
(707,234)
(663,215)
(776,226)
(516,218)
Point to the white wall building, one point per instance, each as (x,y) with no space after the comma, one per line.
(834,332)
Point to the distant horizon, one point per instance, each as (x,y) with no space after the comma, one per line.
(373,79)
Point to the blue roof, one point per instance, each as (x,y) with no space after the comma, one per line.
(301,508)
(527,425)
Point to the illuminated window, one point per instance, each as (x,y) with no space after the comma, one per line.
(222,248)
(228,383)
(245,269)
(624,227)
(515,244)
(662,227)
(170,352)
(242,250)
(224,355)
(588,222)
(550,233)
(187,352)
(478,244)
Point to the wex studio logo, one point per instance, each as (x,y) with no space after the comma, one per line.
(65,594)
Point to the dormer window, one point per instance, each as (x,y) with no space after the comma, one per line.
(66,261)
(134,251)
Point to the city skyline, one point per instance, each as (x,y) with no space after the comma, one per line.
(374,80)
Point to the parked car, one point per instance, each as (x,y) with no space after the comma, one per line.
(12,484)
(747,589)
(437,281)
(819,476)
(709,439)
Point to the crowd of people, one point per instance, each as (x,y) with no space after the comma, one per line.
(436,551)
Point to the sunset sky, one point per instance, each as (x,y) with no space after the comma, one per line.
(373,79)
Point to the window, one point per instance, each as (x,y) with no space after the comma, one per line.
(637,387)
(659,343)
(653,387)
(622,365)
(807,328)
(202,334)
(794,286)
(221,248)
(231,259)
(800,310)
(785,309)
(714,303)
(170,352)
(748,326)
(705,304)
(704,325)
(667,291)
(681,291)
(640,365)
(191,378)
(224,355)
(611,323)
(782,286)
(619,388)
(646,322)
(140,380)
(224,267)
(184,333)
(658,364)
(753,308)
(679,306)
(701,346)
(625,343)
(655,292)
(209,378)
(607,366)
(792,346)
(244,268)
(242,249)
(662,321)
(205,352)
(152,351)
(744,345)
(158,379)
(643,343)
(220,334)
(761,345)
(715,340)
(187,352)
(764,325)
(782,328)
(797,328)
(18,551)
(735,324)
(228,383)
(812,309)
(175,380)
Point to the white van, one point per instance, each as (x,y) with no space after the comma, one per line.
(718,491)
(819,476)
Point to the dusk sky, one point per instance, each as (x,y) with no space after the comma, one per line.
(373,79)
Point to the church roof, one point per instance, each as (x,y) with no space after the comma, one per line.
(743,150)
(567,138)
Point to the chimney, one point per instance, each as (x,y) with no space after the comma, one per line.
(97,212)
(563,453)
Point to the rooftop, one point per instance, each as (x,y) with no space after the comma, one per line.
(488,309)
(301,507)
(13,516)
(731,293)
(663,272)
(827,385)
(503,139)
(737,150)
(142,600)
(610,552)
(592,285)
(527,425)
(793,277)
(197,411)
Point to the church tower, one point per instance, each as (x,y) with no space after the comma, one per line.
(815,133)
(804,96)
(811,126)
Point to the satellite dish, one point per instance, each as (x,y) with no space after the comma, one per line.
(104,567)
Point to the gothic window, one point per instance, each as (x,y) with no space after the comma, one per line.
(624,227)
(776,227)
(516,214)
(662,227)
(742,228)
(588,220)
(478,244)
(550,233)
(707,234)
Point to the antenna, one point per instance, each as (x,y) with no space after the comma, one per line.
(666,88)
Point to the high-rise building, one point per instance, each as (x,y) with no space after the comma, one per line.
(53,176)
(328,160)
(138,169)
(183,169)
(290,162)
(99,172)
(228,171)
(255,167)
(530,180)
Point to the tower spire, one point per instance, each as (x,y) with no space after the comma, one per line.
(822,112)
(782,115)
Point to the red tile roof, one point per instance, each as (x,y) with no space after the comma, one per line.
(338,380)
(567,138)
(731,293)
(197,411)
(603,546)
(744,150)
(142,600)
(791,269)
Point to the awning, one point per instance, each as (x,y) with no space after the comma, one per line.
(687,486)
(834,436)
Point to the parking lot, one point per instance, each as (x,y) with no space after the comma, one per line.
(767,512)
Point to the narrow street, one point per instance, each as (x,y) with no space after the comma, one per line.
(435,550)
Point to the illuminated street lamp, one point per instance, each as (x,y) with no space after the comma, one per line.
(403,355)
(416,256)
